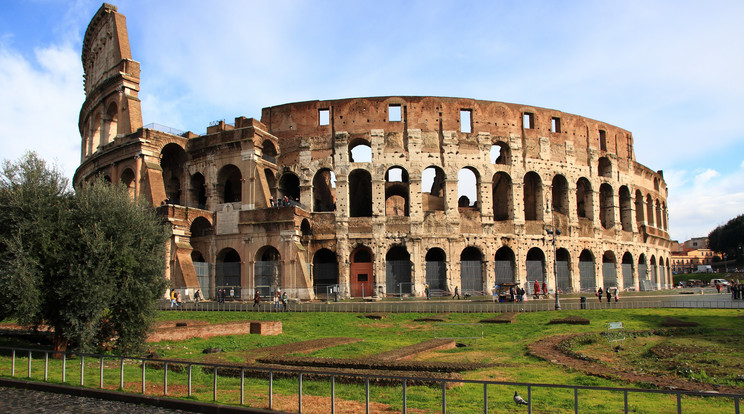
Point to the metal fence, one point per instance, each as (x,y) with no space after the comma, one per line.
(438,386)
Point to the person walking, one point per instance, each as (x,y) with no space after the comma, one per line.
(284,300)
(197,296)
(257,300)
(276,300)
(178,299)
(457,293)
(609,295)
(426,291)
(599,293)
(173,298)
(545,289)
(537,288)
(616,294)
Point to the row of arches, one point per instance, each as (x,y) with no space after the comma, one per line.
(103,128)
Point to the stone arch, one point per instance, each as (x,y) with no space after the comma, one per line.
(198,189)
(649,210)
(110,124)
(563,270)
(397,199)
(609,272)
(229,184)
(627,270)
(664,216)
(659,222)
(587,280)
(360,193)
(267,271)
(584,203)
(504,265)
(559,193)
(654,272)
(502,197)
(606,206)
(604,169)
(361,278)
(127,178)
(360,150)
(643,272)
(471,270)
(639,208)
(95,134)
(398,271)
(172,161)
(533,196)
(289,186)
(436,269)
(325,271)
(324,191)
(468,185)
(227,272)
(271,182)
(433,188)
(535,264)
(201,227)
(305,228)
(626,212)
(268,151)
(500,153)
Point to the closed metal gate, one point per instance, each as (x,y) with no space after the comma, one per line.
(203,274)
(227,274)
(535,270)
(642,271)
(609,275)
(586,276)
(267,276)
(398,277)
(436,275)
(627,269)
(563,273)
(654,277)
(325,274)
(471,275)
(504,271)
(662,277)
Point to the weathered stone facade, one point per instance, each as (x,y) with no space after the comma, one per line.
(445,191)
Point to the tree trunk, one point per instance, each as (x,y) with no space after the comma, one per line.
(59,343)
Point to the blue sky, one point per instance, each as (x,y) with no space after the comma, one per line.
(670,71)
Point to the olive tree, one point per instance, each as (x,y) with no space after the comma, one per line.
(90,265)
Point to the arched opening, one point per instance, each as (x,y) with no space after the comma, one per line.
(468,183)
(644,283)
(664,216)
(398,271)
(606,206)
(110,124)
(267,271)
(504,264)
(471,270)
(535,268)
(271,182)
(289,188)
(361,276)
(436,270)
(605,167)
(626,212)
(649,210)
(396,192)
(609,272)
(627,270)
(229,184)
(560,195)
(324,191)
(325,272)
(500,154)
(502,197)
(95,135)
(586,271)
(201,227)
(639,208)
(198,190)
(563,270)
(659,223)
(203,273)
(305,228)
(268,151)
(360,194)
(654,273)
(360,150)
(227,272)
(433,188)
(584,207)
(172,160)
(533,196)
(127,178)
(662,274)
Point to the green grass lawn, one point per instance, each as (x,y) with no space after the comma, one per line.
(502,351)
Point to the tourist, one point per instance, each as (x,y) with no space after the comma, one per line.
(257,300)
(599,293)
(426,291)
(616,294)
(197,296)
(537,288)
(178,299)
(284,300)
(276,300)
(609,295)
(545,289)
(457,293)
(511,294)
(173,298)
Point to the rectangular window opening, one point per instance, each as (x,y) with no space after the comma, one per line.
(602,140)
(528,119)
(555,125)
(394,113)
(324,116)
(466,119)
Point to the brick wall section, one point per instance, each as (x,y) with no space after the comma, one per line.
(179,333)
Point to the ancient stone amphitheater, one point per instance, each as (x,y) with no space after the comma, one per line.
(372,197)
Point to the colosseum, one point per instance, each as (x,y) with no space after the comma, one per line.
(375,197)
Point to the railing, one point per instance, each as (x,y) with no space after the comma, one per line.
(436,390)
(454,306)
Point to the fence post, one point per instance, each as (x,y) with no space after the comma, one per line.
(529,399)
(333,394)
(12,364)
(82,368)
(625,400)
(271,390)
(165,378)
(405,397)
(444,398)
(299,393)
(485,398)
(576,400)
(679,403)
(121,374)
(46,365)
(214,384)
(366,394)
(28,374)
(64,365)
(189,380)
(100,373)
(143,376)
(242,386)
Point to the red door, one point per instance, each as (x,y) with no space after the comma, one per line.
(362,279)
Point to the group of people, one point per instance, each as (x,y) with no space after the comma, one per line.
(282,202)
(737,290)
(222,295)
(609,292)
(516,295)
(280,300)
(175,299)
(544,291)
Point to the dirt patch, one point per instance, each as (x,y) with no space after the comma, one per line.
(670,322)
(408,352)
(374,316)
(506,317)
(303,347)
(436,318)
(550,350)
(570,320)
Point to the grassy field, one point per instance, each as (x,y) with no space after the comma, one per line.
(692,355)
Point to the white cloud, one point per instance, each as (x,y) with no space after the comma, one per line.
(42,100)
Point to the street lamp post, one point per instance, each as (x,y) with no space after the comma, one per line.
(553,232)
